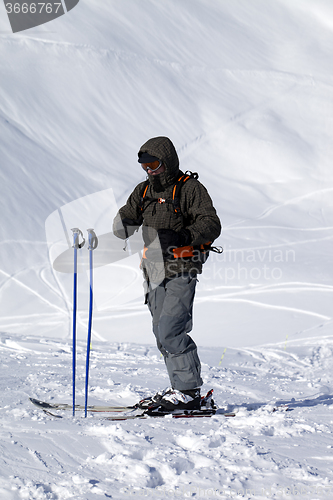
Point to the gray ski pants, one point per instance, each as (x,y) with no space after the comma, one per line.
(170,304)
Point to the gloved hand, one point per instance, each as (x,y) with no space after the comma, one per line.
(130,226)
(170,238)
(124,228)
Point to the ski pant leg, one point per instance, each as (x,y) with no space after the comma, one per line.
(170,304)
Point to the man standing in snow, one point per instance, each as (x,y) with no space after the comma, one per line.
(179,223)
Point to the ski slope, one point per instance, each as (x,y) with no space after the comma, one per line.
(257,454)
(244,90)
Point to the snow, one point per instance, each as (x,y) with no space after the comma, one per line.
(257,454)
(244,90)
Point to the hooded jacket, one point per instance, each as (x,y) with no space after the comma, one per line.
(197,215)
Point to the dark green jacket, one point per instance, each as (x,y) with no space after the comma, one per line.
(197,212)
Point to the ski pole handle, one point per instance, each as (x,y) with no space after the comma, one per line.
(92,239)
(76,237)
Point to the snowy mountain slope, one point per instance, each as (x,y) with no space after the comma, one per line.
(244,89)
(258,454)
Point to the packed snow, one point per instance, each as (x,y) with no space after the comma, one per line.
(244,89)
(257,454)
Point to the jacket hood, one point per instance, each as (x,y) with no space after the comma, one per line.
(164,150)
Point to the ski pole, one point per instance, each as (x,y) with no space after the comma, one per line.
(76,246)
(92,244)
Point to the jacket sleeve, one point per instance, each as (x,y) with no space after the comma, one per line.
(204,224)
(129,213)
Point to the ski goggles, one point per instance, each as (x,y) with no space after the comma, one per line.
(153,166)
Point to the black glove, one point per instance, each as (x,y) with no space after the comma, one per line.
(125,227)
(131,225)
(170,238)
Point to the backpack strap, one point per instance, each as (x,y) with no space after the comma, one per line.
(175,200)
(182,252)
(189,251)
(143,194)
(177,189)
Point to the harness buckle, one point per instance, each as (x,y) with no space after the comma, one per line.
(161,200)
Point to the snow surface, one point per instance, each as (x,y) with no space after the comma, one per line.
(244,90)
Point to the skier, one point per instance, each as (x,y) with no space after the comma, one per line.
(179,223)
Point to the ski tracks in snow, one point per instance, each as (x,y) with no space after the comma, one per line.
(257,452)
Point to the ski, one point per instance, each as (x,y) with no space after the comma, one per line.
(48,408)
(143,410)
(174,414)
(206,401)
(203,412)
(43,405)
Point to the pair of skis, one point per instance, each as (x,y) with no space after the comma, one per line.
(138,411)
(144,409)
(130,412)
(92,244)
